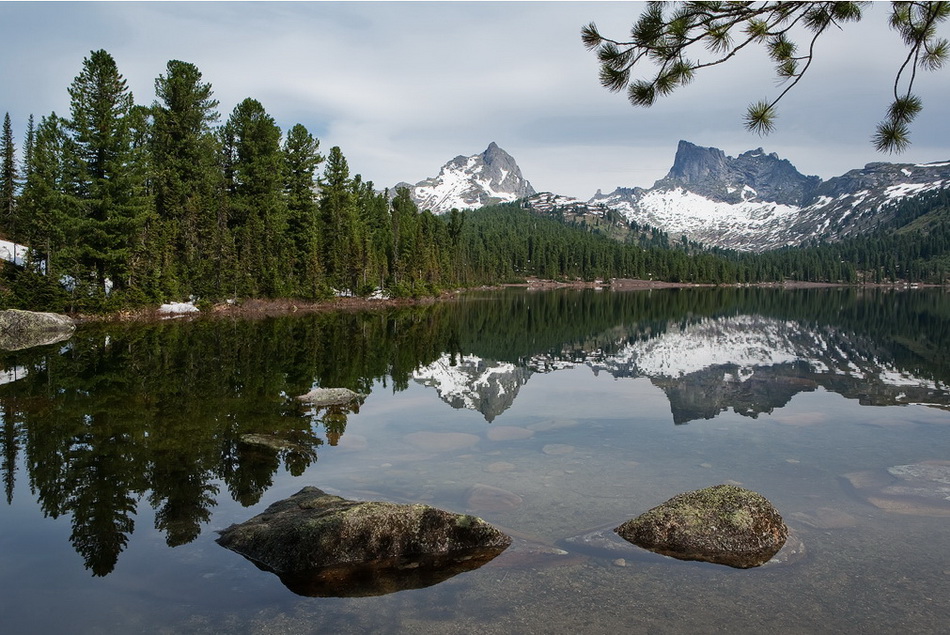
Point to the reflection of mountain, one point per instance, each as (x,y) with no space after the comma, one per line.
(473,383)
(751,364)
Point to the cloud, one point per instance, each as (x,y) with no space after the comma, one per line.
(404,87)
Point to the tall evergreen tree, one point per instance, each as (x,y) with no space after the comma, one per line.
(104,230)
(258,210)
(185,170)
(338,215)
(8,180)
(301,159)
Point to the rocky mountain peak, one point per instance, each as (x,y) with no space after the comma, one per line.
(695,164)
(753,175)
(468,182)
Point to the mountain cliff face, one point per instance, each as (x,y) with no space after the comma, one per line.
(757,201)
(468,182)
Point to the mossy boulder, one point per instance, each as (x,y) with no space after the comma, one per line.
(321,544)
(724,524)
(25,329)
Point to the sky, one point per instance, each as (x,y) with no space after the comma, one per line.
(402,88)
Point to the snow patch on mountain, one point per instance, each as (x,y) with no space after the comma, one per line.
(488,178)
(758,201)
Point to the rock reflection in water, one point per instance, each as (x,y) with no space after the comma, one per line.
(382,577)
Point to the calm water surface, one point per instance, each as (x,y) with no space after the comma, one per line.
(123,455)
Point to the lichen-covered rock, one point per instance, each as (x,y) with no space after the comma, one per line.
(321,544)
(724,524)
(322,397)
(24,329)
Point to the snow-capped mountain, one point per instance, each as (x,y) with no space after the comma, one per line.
(473,383)
(468,182)
(748,363)
(757,201)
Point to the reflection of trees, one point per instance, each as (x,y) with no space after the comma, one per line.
(164,411)
(176,413)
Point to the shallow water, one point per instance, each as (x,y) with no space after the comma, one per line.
(586,409)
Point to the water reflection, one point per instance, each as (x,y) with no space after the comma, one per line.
(177,414)
(751,362)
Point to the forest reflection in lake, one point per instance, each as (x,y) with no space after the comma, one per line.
(130,444)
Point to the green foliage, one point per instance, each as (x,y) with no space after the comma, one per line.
(8,180)
(666,32)
(123,205)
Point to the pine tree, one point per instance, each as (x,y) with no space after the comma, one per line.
(673,36)
(340,243)
(258,209)
(104,230)
(183,152)
(8,181)
(301,158)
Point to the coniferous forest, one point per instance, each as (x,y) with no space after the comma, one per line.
(123,204)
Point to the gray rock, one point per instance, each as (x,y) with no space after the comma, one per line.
(605,543)
(25,329)
(322,545)
(322,397)
(724,524)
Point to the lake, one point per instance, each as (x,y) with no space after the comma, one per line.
(549,414)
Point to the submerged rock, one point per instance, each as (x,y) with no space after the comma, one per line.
(918,489)
(325,545)
(491,499)
(322,397)
(724,524)
(605,543)
(25,329)
(275,443)
(441,441)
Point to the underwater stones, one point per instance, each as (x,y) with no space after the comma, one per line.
(275,443)
(322,397)
(826,518)
(441,441)
(508,433)
(486,498)
(723,524)
(25,329)
(499,466)
(556,449)
(917,489)
(321,544)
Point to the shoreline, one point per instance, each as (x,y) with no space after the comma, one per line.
(262,308)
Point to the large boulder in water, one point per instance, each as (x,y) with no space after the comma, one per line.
(24,329)
(724,524)
(324,545)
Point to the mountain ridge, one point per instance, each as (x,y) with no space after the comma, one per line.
(754,202)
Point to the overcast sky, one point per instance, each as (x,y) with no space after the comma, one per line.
(404,87)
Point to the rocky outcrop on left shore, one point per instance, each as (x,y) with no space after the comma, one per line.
(25,329)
